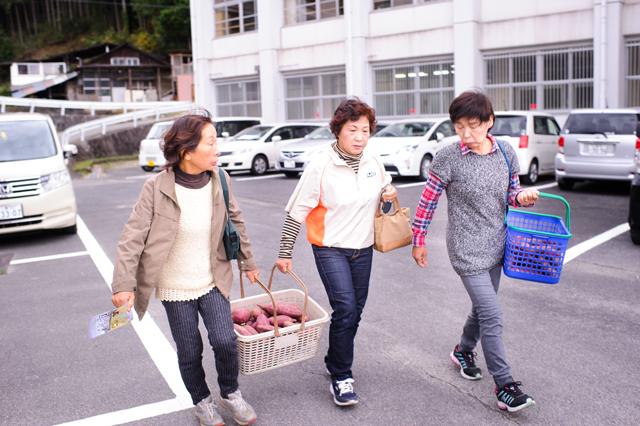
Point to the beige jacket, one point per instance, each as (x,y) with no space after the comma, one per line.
(149,233)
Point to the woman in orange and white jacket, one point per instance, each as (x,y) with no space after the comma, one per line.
(337,196)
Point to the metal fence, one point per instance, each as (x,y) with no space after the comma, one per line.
(419,88)
(553,79)
(633,73)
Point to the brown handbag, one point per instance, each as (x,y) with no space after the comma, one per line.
(392,231)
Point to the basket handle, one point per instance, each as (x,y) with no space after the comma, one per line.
(567,217)
(267,290)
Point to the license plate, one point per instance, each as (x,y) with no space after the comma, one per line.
(289,164)
(11,211)
(150,163)
(597,148)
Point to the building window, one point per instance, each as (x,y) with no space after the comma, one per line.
(125,61)
(239,99)
(312,97)
(559,79)
(95,84)
(423,88)
(233,17)
(633,74)
(296,11)
(384,4)
(182,65)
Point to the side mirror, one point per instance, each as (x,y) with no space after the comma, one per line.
(69,150)
(638,129)
(225,134)
(439,136)
(276,139)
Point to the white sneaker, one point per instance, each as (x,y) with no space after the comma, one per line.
(207,413)
(242,412)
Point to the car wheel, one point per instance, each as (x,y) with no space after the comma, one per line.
(635,237)
(532,176)
(291,174)
(565,184)
(147,168)
(424,167)
(69,230)
(259,165)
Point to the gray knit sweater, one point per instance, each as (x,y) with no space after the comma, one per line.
(476,189)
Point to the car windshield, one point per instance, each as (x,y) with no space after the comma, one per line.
(26,140)
(509,125)
(320,133)
(252,133)
(158,130)
(402,130)
(621,124)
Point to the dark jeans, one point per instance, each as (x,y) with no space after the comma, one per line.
(484,323)
(345,274)
(216,315)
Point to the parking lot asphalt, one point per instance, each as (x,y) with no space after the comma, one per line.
(573,345)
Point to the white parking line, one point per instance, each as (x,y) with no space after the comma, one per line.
(156,344)
(407,185)
(260,177)
(585,246)
(548,185)
(52,257)
(140,177)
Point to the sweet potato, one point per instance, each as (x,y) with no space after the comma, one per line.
(241,330)
(261,320)
(281,320)
(306,318)
(284,308)
(264,328)
(241,315)
(256,312)
(287,323)
(252,331)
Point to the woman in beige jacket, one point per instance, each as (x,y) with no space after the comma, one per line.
(172,243)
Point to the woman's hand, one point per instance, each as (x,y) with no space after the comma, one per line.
(121,298)
(526,197)
(284,264)
(420,256)
(252,275)
(390,194)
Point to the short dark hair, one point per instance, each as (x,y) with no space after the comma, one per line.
(351,110)
(184,136)
(471,104)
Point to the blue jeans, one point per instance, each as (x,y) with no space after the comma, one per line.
(485,323)
(345,274)
(183,319)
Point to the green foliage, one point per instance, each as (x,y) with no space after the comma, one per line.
(5,89)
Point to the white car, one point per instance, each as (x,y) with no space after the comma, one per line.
(534,136)
(35,186)
(295,157)
(151,155)
(408,146)
(256,148)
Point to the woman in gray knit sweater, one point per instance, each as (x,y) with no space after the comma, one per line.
(475,175)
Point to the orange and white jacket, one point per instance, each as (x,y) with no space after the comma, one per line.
(338,205)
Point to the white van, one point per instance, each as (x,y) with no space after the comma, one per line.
(35,186)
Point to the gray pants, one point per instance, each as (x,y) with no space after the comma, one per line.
(485,323)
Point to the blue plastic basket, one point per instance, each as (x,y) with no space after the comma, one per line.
(536,244)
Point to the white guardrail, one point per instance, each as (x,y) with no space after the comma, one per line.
(84,105)
(161,109)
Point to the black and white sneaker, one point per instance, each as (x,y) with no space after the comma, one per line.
(512,398)
(342,391)
(467,364)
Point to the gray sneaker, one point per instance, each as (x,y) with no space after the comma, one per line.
(207,413)
(242,412)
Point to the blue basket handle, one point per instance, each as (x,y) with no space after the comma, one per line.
(567,216)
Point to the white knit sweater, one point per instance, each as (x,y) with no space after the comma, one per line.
(187,273)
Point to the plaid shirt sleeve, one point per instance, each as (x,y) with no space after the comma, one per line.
(427,206)
(514,190)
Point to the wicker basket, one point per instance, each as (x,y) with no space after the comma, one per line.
(282,346)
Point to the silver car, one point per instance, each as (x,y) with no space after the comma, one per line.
(294,157)
(597,145)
